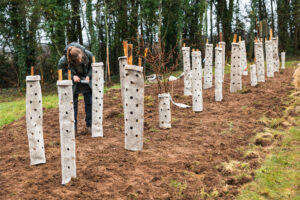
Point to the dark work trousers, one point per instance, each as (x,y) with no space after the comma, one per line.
(88,108)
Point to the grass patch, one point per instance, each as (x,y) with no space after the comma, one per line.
(279,176)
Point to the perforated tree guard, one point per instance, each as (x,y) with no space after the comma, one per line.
(282,60)
(134,107)
(208,72)
(97,96)
(269,58)
(67,133)
(164,109)
(235,73)
(260,61)
(243,58)
(34,120)
(122,65)
(223,45)
(197,82)
(218,74)
(187,71)
(253,76)
(275,54)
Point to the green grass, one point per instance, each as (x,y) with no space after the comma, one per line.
(14,107)
(14,110)
(278,177)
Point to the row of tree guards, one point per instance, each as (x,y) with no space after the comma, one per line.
(132,91)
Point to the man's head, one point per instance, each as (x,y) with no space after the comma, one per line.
(74,55)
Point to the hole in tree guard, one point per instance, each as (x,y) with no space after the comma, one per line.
(137,75)
(137,105)
(30,85)
(131,82)
(131,127)
(66,112)
(126,89)
(131,97)
(136,135)
(35,94)
(30,101)
(126,74)
(137,120)
(137,90)
(68,149)
(68,167)
(131,113)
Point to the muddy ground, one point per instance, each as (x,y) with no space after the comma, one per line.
(178,163)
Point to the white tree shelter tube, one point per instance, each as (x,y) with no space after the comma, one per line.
(97,96)
(223,45)
(269,58)
(187,71)
(253,76)
(218,74)
(208,72)
(197,82)
(260,61)
(122,65)
(235,73)
(164,111)
(34,120)
(243,59)
(275,54)
(67,130)
(134,107)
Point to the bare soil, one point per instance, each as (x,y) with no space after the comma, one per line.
(177,163)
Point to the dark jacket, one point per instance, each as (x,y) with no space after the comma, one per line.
(86,65)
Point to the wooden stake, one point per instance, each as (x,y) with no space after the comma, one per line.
(125,48)
(183,44)
(193,50)
(32,71)
(271,34)
(59,74)
(69,74)
(234,38)
(145,52)
(130,57)
(107,62)
(207,41)
(140,61)
(221,37)
(220,45)
(240,38)
(94,60)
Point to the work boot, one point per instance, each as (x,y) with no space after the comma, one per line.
(88,131)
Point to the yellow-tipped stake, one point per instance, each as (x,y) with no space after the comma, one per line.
(234,38)
(145,52)
(140,61)
(125,47)
(220,45)
(59,74)
(130,49)
(94,60)
(32,71)
(206,41)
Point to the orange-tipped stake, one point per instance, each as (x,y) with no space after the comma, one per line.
(59,74)
(271,34)
(32,71)
(140,61)
(220,45)
(69,74)
(234,38)
(145,52)
(125,47)
(183,44)
(130,57)
(193,50)
(240,38)
(94,60)
(207,41)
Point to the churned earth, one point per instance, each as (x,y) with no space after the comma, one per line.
(179,163)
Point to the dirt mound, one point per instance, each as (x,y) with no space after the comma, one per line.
(177,163)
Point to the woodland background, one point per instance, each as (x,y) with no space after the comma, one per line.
(35,32)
